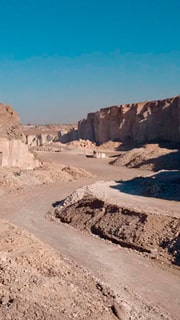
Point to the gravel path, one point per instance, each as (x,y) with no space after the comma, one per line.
(149,289)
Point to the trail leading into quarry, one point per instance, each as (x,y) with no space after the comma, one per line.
(140,282)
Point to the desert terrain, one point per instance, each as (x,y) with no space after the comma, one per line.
(86,237)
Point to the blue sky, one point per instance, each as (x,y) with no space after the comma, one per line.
(62,59)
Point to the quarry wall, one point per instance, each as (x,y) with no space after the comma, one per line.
(14,153)
(40,139)
(65,136)
(136,123)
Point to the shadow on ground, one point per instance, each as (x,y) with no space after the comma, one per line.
(129,145)
(163,185)
(57,203)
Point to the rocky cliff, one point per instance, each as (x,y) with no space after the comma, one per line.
(136,123)
(40,135)
(13,152)
(9,123)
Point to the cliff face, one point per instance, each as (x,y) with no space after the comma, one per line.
(65,136)
(9,123)
(13,152)
(136,123)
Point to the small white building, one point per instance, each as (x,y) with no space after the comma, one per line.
(99,155)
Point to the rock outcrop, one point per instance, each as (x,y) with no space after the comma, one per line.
(135,123)
(9,123)
(40,139)
(65,136)
(42,135)
(13,151)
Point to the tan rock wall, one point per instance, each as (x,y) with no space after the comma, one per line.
(65,136)
(16,154)
(31,140)
(9,123)
(137,123)
(40,139)
(13,151)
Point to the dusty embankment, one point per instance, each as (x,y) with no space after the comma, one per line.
(36,282)
(155,234)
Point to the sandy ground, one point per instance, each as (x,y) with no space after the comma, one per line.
(147,289)
(47,173)
(100,167)
(36,282)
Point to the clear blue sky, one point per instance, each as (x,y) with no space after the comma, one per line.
(60,59)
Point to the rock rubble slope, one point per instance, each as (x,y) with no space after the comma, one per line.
(36,282)
(149,157)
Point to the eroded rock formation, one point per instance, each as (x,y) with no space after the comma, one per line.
(42,135)
(13,151)
(9,123)
(40,139)
(68,135)
(136,123)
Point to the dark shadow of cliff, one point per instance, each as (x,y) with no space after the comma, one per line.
(69,136)
(125,146)
(129,145)
(163,185)
(173,247)
(168,144)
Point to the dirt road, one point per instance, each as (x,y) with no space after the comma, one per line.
(142,284)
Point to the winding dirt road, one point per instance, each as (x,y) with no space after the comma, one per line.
(150,289)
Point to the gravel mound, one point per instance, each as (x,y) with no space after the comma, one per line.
(154,234)
(150,157)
